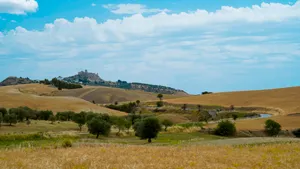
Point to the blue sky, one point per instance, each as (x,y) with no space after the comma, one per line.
(216,45)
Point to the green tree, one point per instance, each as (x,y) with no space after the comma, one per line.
(52,119)
(3,111)
(128,125)
(160,96)
(120,123)
(167,123)
(204,116)
(184,107)
(272,128)
(80,119)
(199,107)
(45,115)
(10,118)
(148,128)
(1,119)
(98,126)
(138,103)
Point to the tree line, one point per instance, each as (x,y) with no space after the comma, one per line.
(145,127)
(61,84)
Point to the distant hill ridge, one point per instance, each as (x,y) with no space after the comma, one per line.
(89,78)
(12,80)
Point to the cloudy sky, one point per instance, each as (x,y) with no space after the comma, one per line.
(215,45)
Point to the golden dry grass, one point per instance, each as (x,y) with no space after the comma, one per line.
(99,94)
(150,157)
(106,95)
(28,95)
(286,99)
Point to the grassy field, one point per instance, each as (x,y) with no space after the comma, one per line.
(26,95)
(285,100)
(284,155)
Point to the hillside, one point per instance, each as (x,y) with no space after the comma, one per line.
(30,95)
(15,80)
(88,78)
(99,94)
(286,100)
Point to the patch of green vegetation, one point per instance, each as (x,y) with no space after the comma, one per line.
(191,124)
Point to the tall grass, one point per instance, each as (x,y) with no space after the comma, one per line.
(155,157)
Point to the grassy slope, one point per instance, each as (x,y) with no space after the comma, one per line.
(286,99)
(106,95)
(133,156)
(28,95)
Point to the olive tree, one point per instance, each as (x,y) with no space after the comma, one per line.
(167,123)
(148,128)
(80,119)
(98,126)
(10,118)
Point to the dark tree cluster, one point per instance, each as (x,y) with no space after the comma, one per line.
(206,92)
(128,107)
(64,85)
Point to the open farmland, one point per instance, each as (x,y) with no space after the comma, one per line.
(131,156)
(26,95)
(285,100)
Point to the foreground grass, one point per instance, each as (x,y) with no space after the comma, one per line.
(134,156)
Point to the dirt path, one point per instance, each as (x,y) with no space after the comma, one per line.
(87,92)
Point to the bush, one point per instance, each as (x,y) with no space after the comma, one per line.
(225,128)
(66,143)
(192,124)
(297,133)
(148,128)
(272,128)
(159,104)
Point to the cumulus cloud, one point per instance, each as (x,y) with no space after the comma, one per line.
(202,44)
(132,9)
(93,4)
(18,6)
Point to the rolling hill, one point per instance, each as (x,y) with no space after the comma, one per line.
(284,100)
(33,96)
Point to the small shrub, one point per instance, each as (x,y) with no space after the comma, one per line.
(272,128)
(159,104)
(297,133)
(225,128)
(66,143)
(167,123)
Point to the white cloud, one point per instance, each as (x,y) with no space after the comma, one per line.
(93,4)
(13,21)
(206,45)
(18,6)
(132,9)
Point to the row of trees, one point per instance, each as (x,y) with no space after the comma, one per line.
(20,114)
(61,84)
